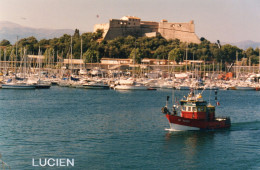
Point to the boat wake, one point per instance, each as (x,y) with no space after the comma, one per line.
(242,126)
(172,130)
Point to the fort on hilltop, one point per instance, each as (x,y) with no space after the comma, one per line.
(130,25)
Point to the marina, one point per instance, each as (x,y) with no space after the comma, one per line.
(152,77)
(129,85)
(110,113)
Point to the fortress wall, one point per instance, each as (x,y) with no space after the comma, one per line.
(123,28)
(182,35)
(135,27)
(149,27)
(117,23)
(186,37)
(114,32)
(101,26)
(123,23)
(186,27)
(149,24)
(104,27)
(183,31)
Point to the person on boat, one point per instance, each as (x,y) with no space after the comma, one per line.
(174,111)
(165,110)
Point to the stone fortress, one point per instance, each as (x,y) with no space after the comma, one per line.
(130,25)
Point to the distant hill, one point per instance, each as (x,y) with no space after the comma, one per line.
(246,44)
(10,31)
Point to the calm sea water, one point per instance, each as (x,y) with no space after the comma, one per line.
(107,129)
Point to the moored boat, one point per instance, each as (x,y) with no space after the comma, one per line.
(129,84)
(244,88)
(195,114)
(130,87)
(96,85)
(42,86)
(17,86)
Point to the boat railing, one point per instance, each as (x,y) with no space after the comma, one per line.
(4,165)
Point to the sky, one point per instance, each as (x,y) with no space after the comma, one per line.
(224,20)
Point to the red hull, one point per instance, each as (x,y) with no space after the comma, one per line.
(218,123)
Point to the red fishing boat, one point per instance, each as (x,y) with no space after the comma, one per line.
(195,114)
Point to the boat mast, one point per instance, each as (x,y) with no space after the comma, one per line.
(71,55)
(39,62)
(24,66)
(259,60)
(5,62)
(16,54)
(80,54)
(204,77)
(186,57)
(0,60)
(134,60)
(53,53)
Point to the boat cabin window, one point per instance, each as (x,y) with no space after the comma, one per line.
(189,109)
(201,109)
(194,109)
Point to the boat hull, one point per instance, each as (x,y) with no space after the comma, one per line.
(244,88)
(14,86)
(180,123)
(95,87)
(130,87)
(183,88)
(39,86)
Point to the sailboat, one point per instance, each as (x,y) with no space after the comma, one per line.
(98,84)
(68,81)
(82,71)
(130,84)
(15,83)
(39,83)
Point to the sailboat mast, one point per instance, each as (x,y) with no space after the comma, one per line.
(5,61)
(71,55)
(16,55)
(24,66)
(134,60)
(186,57)
(80,53)
(39,62)
(259,60)
(0,60)
(236,65)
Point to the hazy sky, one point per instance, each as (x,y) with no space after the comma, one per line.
(226,20)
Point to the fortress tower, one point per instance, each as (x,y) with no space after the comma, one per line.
(130,25)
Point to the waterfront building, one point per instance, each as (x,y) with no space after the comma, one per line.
(126,61)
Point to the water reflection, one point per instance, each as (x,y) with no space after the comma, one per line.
(188,145)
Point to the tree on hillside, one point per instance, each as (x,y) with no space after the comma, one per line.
(98,34)
(136,55)
(230,52)
(91,56)
(5,42)
(161,52)
(175,55)
(76,34)
(30,43)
